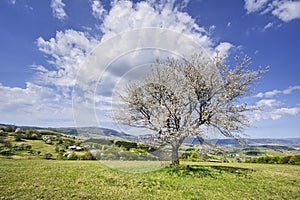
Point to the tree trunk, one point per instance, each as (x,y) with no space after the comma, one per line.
(175,157)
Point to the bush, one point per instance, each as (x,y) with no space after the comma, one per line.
(87,156)
(10,129)
(190,156)
(19,137)
(294,160)
(72,156)
(60,156)
(126,144)
(6,143)
(48,155)
(23,146)
(5,151)
(2,133)
(275,160)
(285,160)
(194,156)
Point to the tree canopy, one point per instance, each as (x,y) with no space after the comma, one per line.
(181,98)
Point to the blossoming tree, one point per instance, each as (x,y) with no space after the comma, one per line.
(180,98)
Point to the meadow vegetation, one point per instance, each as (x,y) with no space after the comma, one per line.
(58,179)
(50,165)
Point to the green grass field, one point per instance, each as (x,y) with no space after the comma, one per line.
(52,179)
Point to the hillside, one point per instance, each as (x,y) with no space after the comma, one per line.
(99,132)
(84,132)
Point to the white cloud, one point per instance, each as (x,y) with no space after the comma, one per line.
(274,113)
(58,9)
(223,48)
(268,103)
(272,93)
(289,111)
(50,96)
(139,47)
(268,25)
(211,29)
(287,10)
(254,5)
(125,16)
(290,89)
(272,108)
(66,51)
(35,105)
(98,9)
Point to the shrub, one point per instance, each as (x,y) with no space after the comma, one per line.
(87,156)
(126,144)
(60,156)
(48,155)
(190,156)
(194,156)
(72,156)
(5,151)
(19,137)
(2,133)
(294,160)
(23,146)
(10,129)
(275,160)
(260,160)
(285,160)
(6,143)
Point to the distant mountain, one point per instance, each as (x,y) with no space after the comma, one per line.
(86,132)
(94,132)
(273,141)
(250,142)
(97,132)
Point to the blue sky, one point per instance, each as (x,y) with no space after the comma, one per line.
(45,43)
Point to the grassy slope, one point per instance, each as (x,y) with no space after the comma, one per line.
(50,179)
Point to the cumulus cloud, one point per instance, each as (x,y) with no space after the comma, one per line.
(285,10)
(65,52)
(58,9)
(98,9)
(272,108)
(268,103)
(254,5)
(275,114)
(126,15)
(223,48)
(120,57)
(138,41)
(272,93)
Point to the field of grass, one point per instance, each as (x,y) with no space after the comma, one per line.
(56,179)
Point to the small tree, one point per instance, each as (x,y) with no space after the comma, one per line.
(181,98)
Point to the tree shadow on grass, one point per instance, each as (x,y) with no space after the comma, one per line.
(199,171)
(232,170)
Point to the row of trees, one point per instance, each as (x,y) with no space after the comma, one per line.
(293,160)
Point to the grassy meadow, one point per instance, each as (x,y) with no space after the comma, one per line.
(58,179)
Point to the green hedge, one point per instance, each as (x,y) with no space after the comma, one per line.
(293,160)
